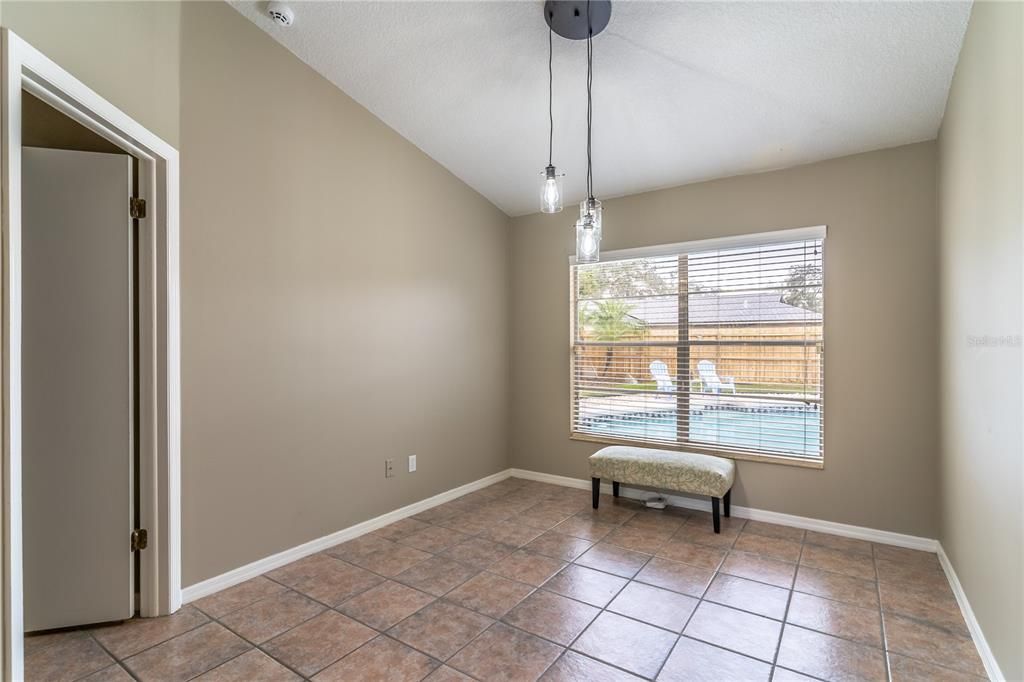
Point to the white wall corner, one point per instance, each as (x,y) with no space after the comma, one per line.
(988,659)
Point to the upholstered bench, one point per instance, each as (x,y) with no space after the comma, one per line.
(682,472)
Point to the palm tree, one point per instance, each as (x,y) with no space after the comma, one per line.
(610,321)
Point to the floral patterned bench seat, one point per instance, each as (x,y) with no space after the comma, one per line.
(683,472)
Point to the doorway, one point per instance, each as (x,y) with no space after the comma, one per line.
(156,432)
(79,349)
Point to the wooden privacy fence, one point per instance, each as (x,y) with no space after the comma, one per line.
(785,355)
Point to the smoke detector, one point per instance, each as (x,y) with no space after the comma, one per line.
(280,13)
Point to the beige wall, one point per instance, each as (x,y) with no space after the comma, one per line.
(981,176)
(880,321)
(344,301)
(344,298)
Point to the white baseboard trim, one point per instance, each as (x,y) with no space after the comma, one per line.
(260,566)
(704,504)
(984,651)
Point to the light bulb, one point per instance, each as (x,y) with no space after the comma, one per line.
(588,245)
(551,191)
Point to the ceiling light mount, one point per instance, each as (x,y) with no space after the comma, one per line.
(568,18)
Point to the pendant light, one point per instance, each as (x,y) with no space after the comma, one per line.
(551,186)
(588,227)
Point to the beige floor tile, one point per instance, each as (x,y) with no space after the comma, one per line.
(748,595)
(479,552)
(743,632)
(701,556)
(437,575)
(270,617)
(325,578)
(381,659)
(585,528)
(654,605)
(774,530)
(559,546)
(575,667)
(446,674)
(552,616)
(252,666)
(913,557)
(934,605)
(842,588)
(511,533)
(187,655)
(527,567)
(386,604)
(112,673)
(400,529)
(393,560)
(319,642)
(504,653)
(613,559)
(910,574)
(362,546)
(137,634)
(544,519)
(843,544)
(625,643)
(784,675)
(759,568)
(675,576)
(836,618)
(434,539)
(440,629)
(773,548)
(639,539)
(614,512)
(931,645)
(829,658)
(241,595)
(67,659)
(693,661)
(905,669)
(838,561)
(586,584)
(35,642)
(490,594)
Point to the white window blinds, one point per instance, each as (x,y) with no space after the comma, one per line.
(713,346)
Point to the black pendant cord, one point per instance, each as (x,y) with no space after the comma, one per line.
(551,114)
(590,107)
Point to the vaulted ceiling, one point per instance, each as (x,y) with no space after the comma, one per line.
(683,91)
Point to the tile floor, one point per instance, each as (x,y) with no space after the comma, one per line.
(523,581)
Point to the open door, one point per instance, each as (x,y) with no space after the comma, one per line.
(77,388)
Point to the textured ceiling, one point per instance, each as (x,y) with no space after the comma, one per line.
(683,91)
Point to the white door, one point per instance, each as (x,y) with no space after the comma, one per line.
(76,388)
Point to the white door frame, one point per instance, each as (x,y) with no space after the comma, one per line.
(24,67)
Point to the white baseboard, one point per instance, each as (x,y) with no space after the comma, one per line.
(704,504)
(260,566)
(987,658)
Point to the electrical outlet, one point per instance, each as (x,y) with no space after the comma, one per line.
(412,463)
(389,468)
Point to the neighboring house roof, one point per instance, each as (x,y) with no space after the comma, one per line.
(722,308)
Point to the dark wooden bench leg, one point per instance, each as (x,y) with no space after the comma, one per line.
(595,484)
(725,502)
(714,515)
(615,488)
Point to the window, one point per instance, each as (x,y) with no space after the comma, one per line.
(712,346)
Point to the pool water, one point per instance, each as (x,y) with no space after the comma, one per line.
(791,432)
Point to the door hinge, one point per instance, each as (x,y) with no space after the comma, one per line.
(137,207)
(140,539)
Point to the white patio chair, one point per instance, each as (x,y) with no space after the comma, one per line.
(659,370)
(712,382)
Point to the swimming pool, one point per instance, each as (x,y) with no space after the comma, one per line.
(790,432)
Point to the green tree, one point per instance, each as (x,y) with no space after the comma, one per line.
(804,288)
(610,321)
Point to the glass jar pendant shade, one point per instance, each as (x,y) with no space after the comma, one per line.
(551,191)
(588,232)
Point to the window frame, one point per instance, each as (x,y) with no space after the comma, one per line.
(678,249)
